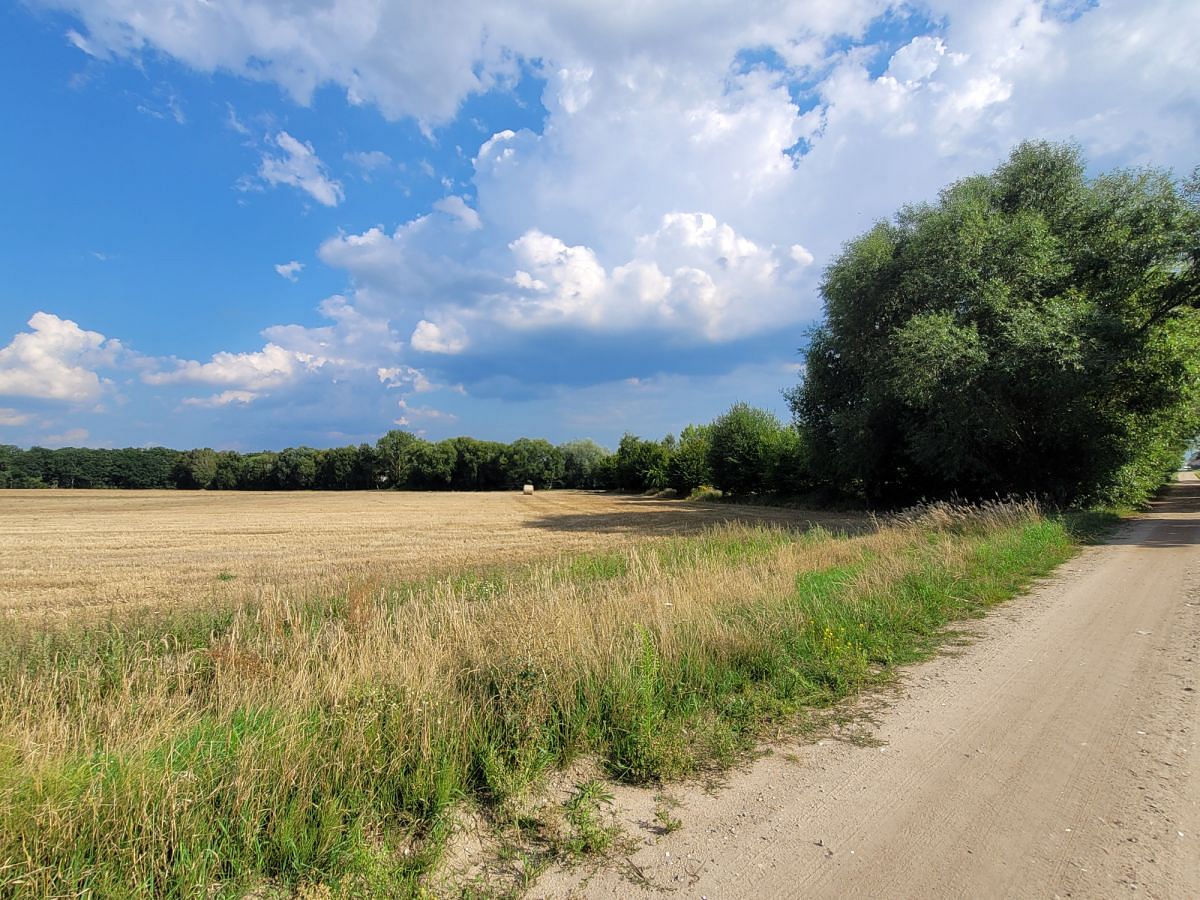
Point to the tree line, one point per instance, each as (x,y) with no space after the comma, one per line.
(746,450)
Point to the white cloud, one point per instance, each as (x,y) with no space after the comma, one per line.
(11,418)
(410,413)
(271,367)
(917,60)
(301,168)
(164,104)
(354,348)
(79,42)
(422,61)
(57,360)
(559,282)
(233,123)
(225,398)
(801,255)
(354,340)
(456,208)
(405,377)
(692,276)
(1110,73)
(72,437)
(369,162)
(289,270)
(446,337)
(493,148)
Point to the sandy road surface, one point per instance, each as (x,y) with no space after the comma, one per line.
(1054,757)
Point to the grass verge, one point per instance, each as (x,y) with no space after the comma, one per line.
(328,741)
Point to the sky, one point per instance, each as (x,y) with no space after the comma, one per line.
(252,224)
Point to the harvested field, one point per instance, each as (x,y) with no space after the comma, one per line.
(73,553)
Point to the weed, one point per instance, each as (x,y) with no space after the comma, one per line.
(582,811)
(667,822)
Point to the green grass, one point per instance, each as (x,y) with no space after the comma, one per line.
(192,766)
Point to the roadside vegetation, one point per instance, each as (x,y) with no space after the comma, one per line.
(334,740)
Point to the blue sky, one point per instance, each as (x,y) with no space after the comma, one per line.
(257,224)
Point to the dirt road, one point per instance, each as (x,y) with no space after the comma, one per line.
(1053,757)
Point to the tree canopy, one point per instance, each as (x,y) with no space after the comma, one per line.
(1033,331)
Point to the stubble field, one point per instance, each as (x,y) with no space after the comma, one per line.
(84,553)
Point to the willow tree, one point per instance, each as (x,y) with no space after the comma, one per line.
(1033,331)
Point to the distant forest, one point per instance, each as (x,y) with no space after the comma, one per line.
(747,450)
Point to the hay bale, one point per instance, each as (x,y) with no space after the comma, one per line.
(528,489)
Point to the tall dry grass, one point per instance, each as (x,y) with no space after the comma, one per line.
(331,737)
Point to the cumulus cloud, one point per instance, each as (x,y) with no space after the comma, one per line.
(271,367)
(445,337)
(406,378)
(679,184)
(56,360)
(457,209)
(301,168)
(801,255)
(289,270)
(612,71)
(682,192)
(918,59)
(330,370)
(693,275)
(421,61)
(354,340)
(353,345)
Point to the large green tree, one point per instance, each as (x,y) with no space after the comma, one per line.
(479,465)
(581,463)
(433,465)
(533,461)
(1033,331)
(641,465)
(745,447)
(394,458)
(689,466)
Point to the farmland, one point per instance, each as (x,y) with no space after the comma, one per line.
(210,693)
(87,553)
